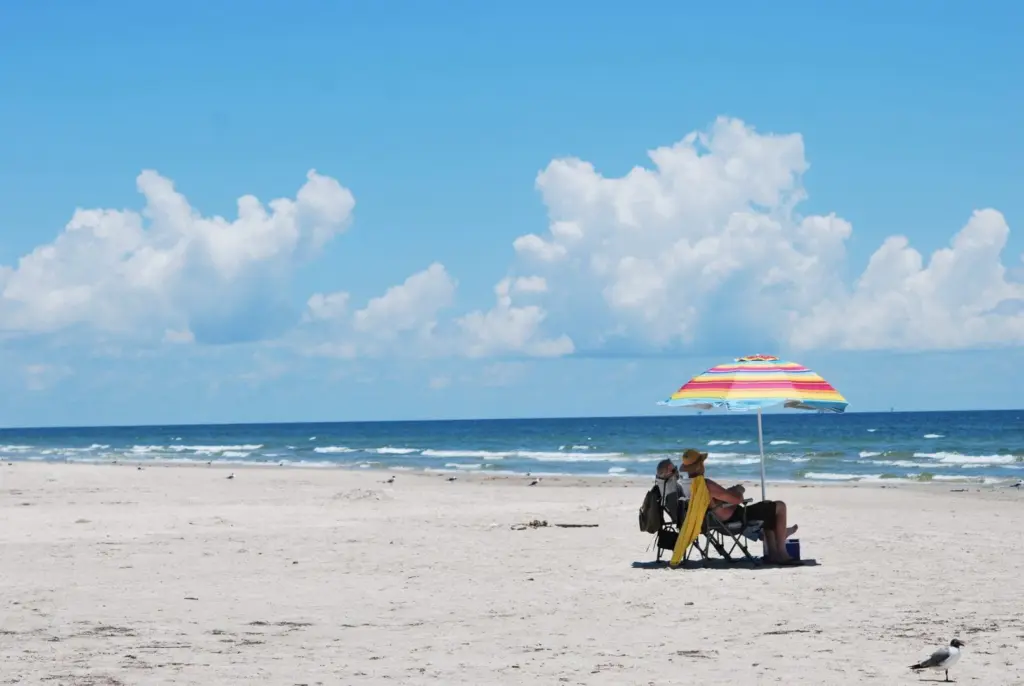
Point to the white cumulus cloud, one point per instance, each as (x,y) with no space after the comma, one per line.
(326,306)
(704,245)
(404,320)
(407,320)
(707,244)
(507,328)
(168,268)
(411,306)
(961,298)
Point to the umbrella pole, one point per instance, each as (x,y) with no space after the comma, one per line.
(760,444)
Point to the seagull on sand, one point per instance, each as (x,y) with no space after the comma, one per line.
(943,658)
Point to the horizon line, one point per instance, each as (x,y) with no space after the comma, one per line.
(686,413)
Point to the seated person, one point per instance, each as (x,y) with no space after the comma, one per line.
(727,503)
(675,491)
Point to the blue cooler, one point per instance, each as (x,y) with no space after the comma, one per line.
(793,548)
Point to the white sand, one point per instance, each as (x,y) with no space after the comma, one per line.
(112,575)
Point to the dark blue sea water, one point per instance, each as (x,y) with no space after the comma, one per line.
(969,446)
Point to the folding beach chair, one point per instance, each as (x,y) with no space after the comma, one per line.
(722,537)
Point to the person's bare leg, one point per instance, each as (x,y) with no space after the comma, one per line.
(780,533)
(770,546)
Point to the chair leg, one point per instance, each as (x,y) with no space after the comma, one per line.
(719,546)
(731,542)
(715,525)
(702,552)
(738,543)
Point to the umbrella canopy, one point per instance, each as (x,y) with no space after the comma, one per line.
(754,383)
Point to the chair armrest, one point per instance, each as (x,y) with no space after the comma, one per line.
(720,505)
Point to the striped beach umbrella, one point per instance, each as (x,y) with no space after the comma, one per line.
(756,382)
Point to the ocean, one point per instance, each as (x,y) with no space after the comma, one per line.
(983,446)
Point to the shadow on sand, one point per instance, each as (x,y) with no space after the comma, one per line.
(722,564)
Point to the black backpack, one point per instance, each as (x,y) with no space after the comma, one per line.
(651,518)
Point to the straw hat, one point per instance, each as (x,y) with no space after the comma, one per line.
(692,457)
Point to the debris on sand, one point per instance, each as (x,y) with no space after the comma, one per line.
(535,524)
(542,523)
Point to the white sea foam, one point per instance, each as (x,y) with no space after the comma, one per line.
(949,478)
(453,465)
(321,464)
(498,472)
(73,451)
(725,442)
(934,436)
(871,431)
(539,455)
(782,442)
(333,450)
(544,456)
(388,450)
(616,470)
(869,453)
(211,449)
(193,460)
(732,459)
(483,454)
(746,460)
(828,476)
(957,458)
(903,463)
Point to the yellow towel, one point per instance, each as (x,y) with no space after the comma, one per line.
(700,499)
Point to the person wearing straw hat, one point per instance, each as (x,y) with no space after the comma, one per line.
(728,504)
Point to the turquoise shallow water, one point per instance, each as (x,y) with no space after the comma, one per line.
(956,446)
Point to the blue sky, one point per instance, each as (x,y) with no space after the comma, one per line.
(439,119)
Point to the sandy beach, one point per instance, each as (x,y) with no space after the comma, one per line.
(180,575)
